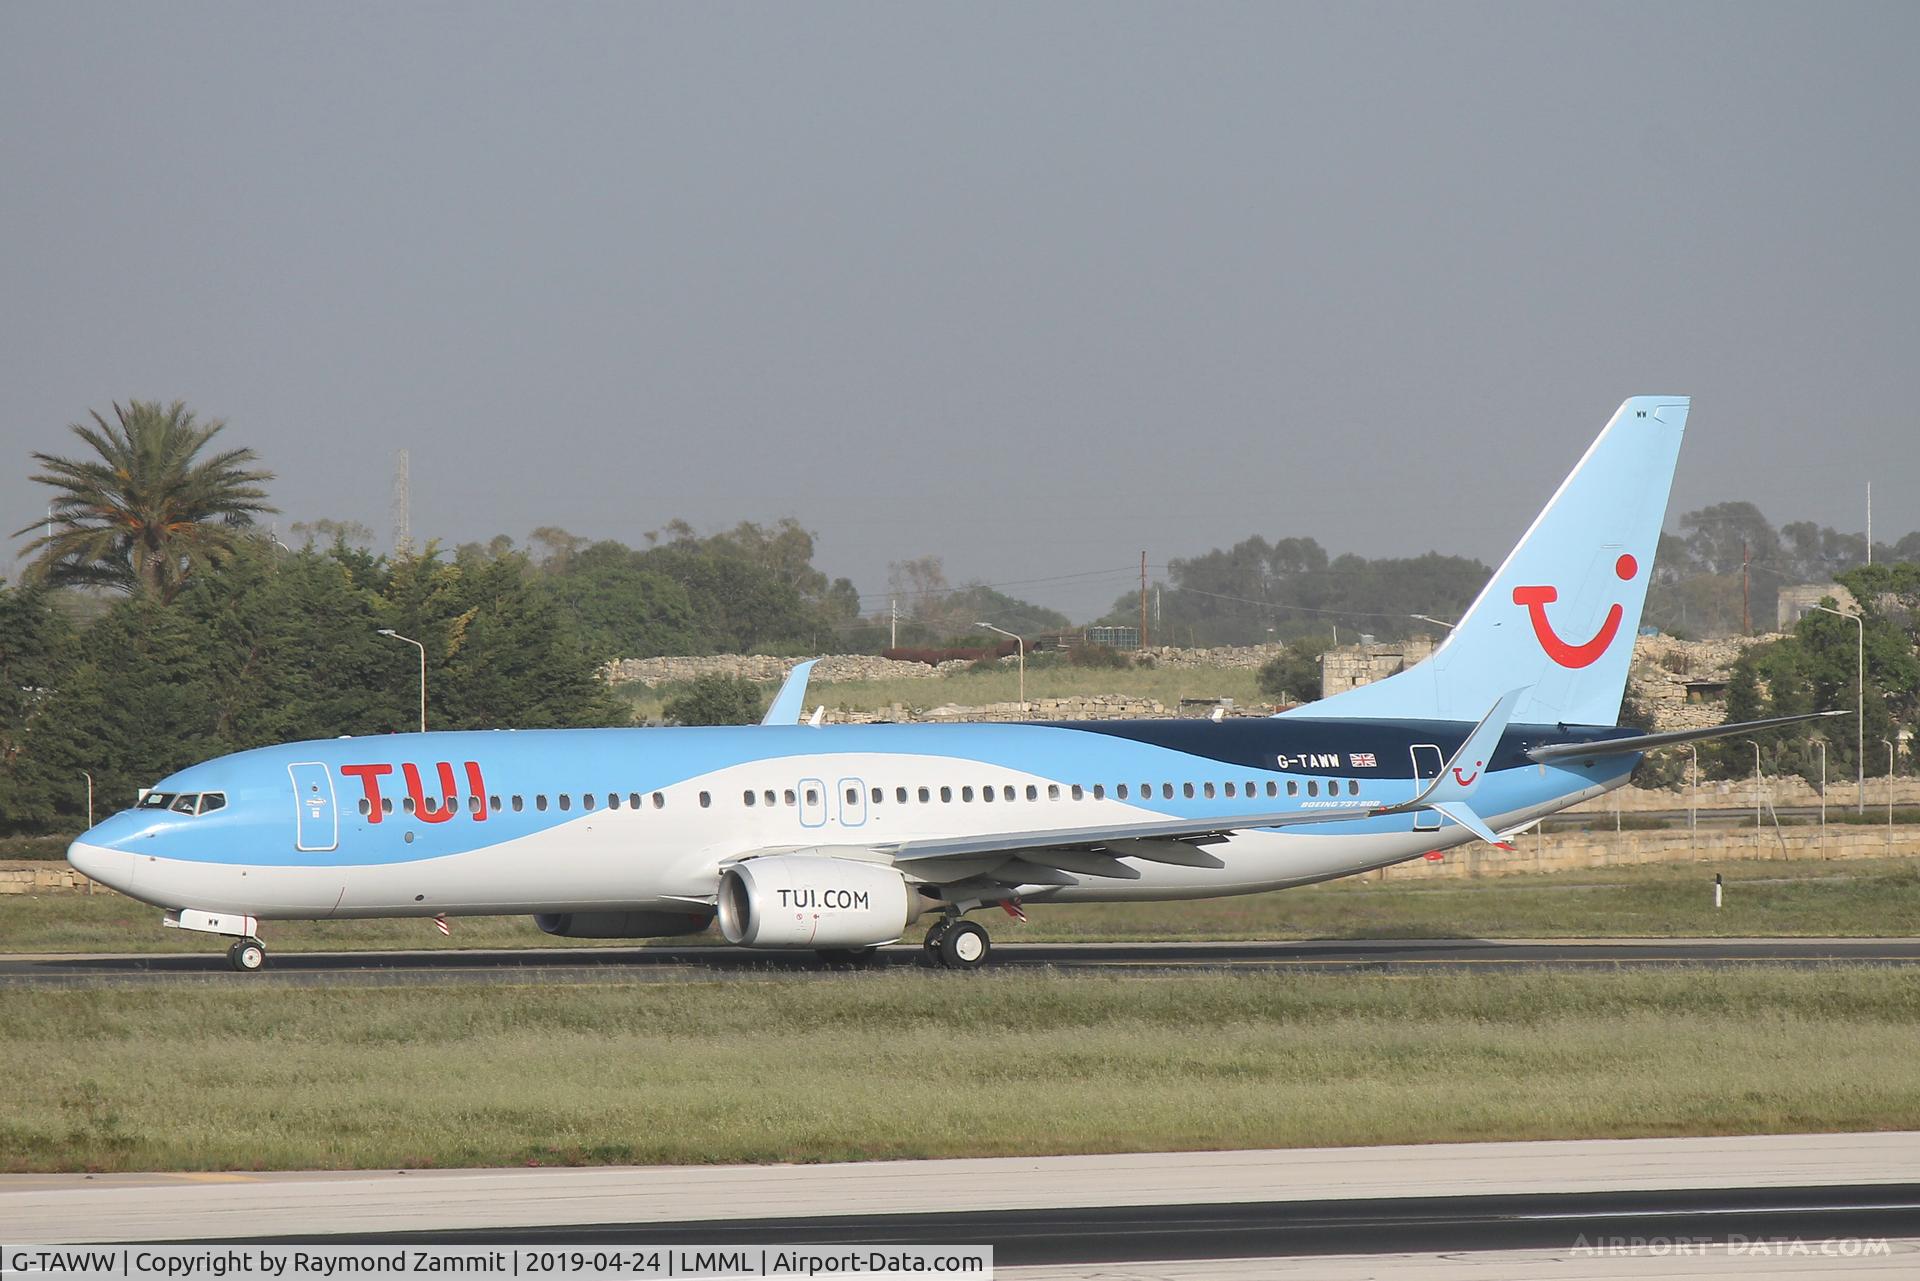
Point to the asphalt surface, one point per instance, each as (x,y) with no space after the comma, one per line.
(668,964)
(1275,1229)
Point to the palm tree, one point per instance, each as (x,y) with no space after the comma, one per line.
(149,510)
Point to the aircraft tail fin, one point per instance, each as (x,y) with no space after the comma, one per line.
(1559,616)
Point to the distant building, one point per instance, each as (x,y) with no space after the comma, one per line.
(1350,666)
(1798,601)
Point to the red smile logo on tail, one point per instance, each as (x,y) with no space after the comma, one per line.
(1467,780)
(1536,599)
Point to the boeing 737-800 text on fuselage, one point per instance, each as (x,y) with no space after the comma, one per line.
(837,838)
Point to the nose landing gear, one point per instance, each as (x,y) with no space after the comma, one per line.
(247,955)
(957,944)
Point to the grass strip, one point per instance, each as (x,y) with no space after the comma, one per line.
(925,1065)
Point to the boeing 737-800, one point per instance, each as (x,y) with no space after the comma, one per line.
(837,838)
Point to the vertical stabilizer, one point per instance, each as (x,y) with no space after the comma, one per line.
(1561,613)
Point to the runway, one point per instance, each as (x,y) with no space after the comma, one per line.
(1486,1210)
(670,964)
(1274,1229)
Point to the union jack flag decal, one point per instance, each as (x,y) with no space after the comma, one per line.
(1362,760)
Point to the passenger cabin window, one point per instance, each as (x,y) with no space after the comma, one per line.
(789,798)
(1079,793)
(406,803)
(1207,791)
(770,798)
(1033,793)
(1186,790)
(986,793)
(633,800)
(1353,787)
(493,803)
(1099,791)
(1053,791)
(566,801)
(659,800)
(900,795)
(1121,791)
(747,797)
(386,805)
(539,803)
(1166,791)
(1006,793)
(1293,787)
(613,800)
(518,804)
(924,795)
(365,807)
(706,800)
(853,796)
(1313,787)
(946,796)
(1273,788)
(966,793)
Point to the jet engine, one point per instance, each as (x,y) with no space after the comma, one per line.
(623,925)
(815,901)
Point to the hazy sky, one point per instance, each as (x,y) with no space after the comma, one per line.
(1031,287)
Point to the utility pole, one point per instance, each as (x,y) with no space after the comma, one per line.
(1143,600)
(1746,591)
(893,635)
(400,510)
(1869,522)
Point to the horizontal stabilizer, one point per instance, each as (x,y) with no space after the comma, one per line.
(1461,813)
(1647,742)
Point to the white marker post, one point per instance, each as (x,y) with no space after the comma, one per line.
(1717,887)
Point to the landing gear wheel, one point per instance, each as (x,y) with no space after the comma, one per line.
(964,946)
(937,932)
(247,955)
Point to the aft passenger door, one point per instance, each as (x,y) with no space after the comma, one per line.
(1427,764)
(316,821)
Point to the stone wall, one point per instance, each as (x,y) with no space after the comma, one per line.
(1576,851)
(870,667)
(36,877)
(1784,792)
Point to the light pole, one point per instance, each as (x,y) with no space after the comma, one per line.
(1756,786)
(1860,696)
(1428,618)
(1889,743)
(89,779)
(1021,647)
(388,631)
(1693,793)
(1821,743)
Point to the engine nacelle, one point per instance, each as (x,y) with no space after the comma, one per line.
(623,925)
(806,900)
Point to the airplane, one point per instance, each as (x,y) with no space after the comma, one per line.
(796,835)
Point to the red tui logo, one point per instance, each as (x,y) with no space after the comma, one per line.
(1566,653)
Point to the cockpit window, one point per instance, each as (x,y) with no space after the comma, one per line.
(156,800)
(211,801)
(184,803)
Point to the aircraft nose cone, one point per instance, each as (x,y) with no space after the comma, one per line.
(112,868)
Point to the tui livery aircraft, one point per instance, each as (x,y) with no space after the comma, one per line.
(838,838)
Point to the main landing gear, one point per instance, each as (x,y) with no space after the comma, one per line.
(247,955)
(957,944)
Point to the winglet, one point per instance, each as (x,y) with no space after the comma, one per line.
(1461,777)
(791,701)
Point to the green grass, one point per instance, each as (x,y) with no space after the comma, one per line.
(923,1065)
(973,689)
(1866,897)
